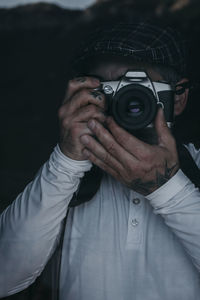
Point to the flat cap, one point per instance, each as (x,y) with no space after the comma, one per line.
(144,40)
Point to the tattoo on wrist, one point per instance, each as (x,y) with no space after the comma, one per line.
(148,187)
(96,95)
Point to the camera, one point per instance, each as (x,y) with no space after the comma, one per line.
(134,99)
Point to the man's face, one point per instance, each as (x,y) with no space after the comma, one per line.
(110,69)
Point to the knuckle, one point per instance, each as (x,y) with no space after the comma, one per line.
(65,123)
(111,148)
(62,112)
(106,158)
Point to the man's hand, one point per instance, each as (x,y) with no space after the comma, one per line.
(82,103)
(140,166)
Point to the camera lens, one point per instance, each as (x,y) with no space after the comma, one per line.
(134,107)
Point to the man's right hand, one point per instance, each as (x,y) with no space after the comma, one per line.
(82,103)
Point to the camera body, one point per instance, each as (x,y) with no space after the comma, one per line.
(134,99)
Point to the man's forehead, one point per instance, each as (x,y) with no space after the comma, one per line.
(113,68)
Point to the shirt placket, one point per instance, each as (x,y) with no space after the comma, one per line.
(134,233)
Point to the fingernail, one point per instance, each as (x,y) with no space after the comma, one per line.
(160,105)
(91,124)
(96,95)
(84,139)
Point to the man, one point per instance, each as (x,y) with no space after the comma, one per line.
(139,235)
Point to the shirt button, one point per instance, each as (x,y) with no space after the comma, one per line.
(136,201)
(134,222)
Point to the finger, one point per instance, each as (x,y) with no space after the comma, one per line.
(95,160)
(129,142)
(80,99)
(97,154)
(70,140)
(88,112)
(76,130)
(82,116)
(87,96)
(162,129)
(110,144)
(78,83)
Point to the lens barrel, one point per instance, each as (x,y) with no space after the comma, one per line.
(134,107)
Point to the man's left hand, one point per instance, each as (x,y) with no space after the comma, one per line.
(140,166)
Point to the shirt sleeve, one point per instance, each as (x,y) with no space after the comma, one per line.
(30,226)
(178,202)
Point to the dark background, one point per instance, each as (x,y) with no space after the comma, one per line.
(36,47)
(37,43)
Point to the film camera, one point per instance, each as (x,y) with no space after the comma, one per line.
(133,101)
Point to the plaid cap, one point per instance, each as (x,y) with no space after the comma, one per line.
(143,40)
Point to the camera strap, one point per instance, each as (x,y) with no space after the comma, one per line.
(89,185)
(188,165)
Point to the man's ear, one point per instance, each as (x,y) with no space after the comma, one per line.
(180,100)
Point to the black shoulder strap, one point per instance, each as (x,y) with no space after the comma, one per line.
(89,185)
(188,165)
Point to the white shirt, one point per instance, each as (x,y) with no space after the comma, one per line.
(120,245)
